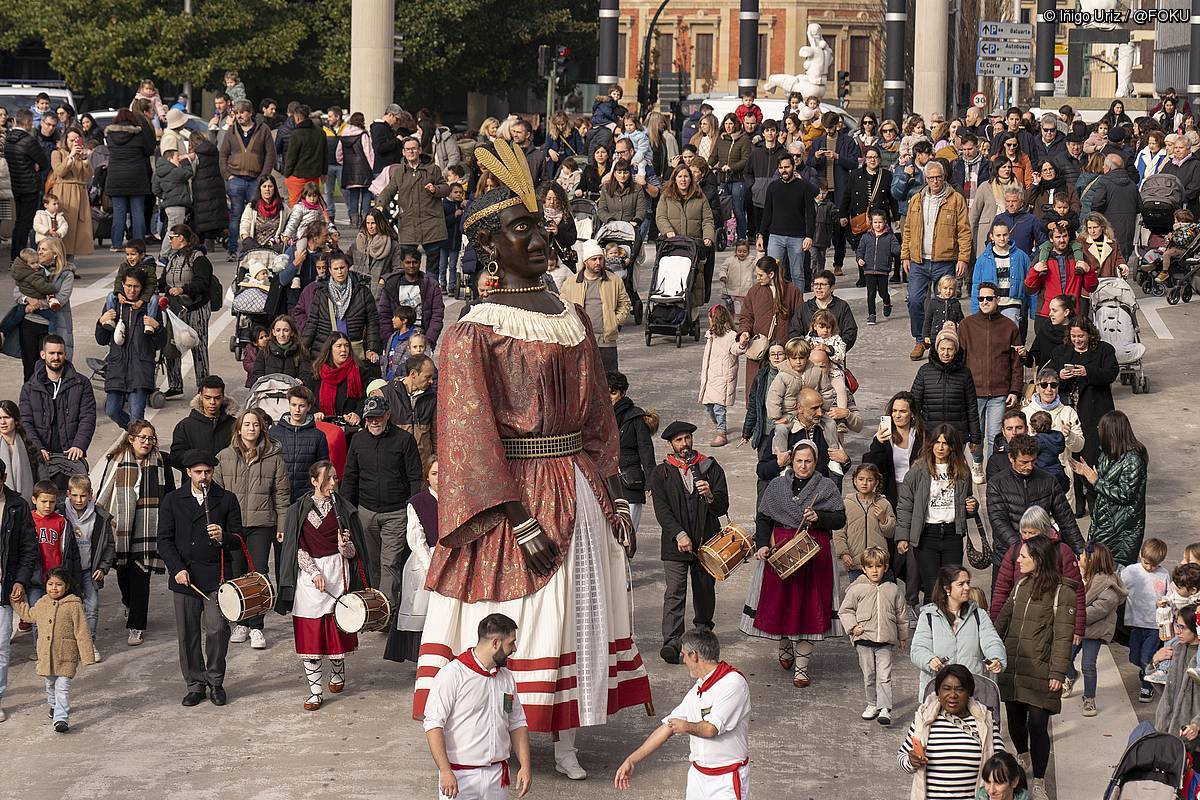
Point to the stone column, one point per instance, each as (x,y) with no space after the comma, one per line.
(931,64)
(372,30)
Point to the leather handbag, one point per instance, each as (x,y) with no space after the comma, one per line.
(859,223)
(757,349)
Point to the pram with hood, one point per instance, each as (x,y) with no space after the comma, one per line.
(583,210)
(669,304)
(626,237)
(249,303)
(1114,313)
(1162,196)
(269,394)
(1151,768)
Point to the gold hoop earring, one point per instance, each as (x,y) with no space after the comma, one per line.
(493,268)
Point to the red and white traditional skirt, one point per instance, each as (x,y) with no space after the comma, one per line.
(312,613)
(576,663)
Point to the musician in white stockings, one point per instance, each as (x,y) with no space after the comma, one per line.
(323,557)
(715,715)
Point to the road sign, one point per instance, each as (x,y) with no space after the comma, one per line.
(979,100)
(1003,69)
(1060,69)
(994,48)
(1006,30)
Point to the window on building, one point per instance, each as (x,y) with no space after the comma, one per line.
(764,52)
(623,55)
(666,53)
(833,62)
(860,58)
(702,63)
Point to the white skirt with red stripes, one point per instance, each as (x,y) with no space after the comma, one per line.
(576,663)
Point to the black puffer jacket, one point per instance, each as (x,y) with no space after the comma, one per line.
(362,319)
(72,409)
(27,162)
(129,151)
(637,448)
(19,553)
(273,359)
(946,393)
(386,145)
(199,432)
(1010,494)
(210,212)
(356,170)
(303,446)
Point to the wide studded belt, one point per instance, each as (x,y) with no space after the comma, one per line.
(557,446)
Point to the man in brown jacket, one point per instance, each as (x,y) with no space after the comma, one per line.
(989,339)
(246,156)
(936,242)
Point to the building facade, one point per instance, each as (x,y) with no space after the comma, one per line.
(695,48)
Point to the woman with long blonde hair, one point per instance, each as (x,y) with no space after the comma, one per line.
(41,312)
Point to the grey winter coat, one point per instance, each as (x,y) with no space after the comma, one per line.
(913,502)
(261,486)
(172,184)
(1104,594)
(626,206)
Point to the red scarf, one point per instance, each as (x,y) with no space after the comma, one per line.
(679,463)
(723,669)
(268,209)
(331,378)
(467,658)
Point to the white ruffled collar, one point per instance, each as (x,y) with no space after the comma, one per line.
(563,328)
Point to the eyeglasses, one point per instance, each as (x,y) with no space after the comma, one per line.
(987,298)
(145,439)
(935,178)
(1048,385)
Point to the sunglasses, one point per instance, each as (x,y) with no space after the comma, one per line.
(987,298)
(1049,130)
(1048,385)
(1010,143)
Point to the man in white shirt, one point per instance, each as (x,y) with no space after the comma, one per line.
(715,715)
(474,719)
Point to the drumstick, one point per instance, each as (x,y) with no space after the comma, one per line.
(192,586)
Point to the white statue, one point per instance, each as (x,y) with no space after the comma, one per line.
(817,57)
(1095,7)
(1125,53)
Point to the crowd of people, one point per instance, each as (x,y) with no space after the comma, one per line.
(339,483)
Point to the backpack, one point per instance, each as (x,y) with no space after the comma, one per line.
(216,293)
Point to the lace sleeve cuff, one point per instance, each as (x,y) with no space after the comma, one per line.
(306,563)
(347,550)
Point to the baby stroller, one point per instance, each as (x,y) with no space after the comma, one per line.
(269,394)
(727,222)
(669,305)
(625,236)
(249,302)
(1151,768)
(583,210)
(1162,196)
(1114,313)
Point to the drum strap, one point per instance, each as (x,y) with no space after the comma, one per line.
(730,769)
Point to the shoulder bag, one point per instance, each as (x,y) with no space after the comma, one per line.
(759,344)
(981,558)
(859,223)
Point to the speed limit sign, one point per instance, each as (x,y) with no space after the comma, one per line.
(979,100)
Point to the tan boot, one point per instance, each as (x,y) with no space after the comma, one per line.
(720,440)
(918,351)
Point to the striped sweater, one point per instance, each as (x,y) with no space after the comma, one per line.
(956,752)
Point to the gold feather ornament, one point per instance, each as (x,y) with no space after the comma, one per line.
(511,168)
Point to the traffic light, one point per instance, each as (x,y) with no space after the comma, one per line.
(843,84)
(562,55)
(545,56)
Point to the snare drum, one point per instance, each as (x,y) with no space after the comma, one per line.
(246,597)
(725,552)
(366,610)
(793,554)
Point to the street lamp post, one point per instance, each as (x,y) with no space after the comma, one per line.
(645,81)
(893,75)
(748,47)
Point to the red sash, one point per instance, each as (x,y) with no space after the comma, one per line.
(504,773)
(731,769)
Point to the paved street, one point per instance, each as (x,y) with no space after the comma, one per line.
(131,738)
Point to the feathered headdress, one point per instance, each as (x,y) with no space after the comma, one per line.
(509,166)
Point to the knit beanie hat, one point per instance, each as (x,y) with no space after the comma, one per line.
(946,333)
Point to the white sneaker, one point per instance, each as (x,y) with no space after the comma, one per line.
(567,762)
(870,712)
(240,634)
(33,653)
(977,473)
(258,640)
(96,654)
(135,637)
(1026,762)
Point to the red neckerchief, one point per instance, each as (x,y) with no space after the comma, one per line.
(679,463)
(467,657)
(723,669)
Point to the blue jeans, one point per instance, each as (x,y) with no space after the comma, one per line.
(433,256)
(791,247)
(332,173)
(242,191)
(114,406)
(716,412)
(1091,649)
(358,200)
(6,619)
(922,277)
(991,416)
(58,696)
(738,190)
(134,205)
(1143,642)
(448,270)
(89,593)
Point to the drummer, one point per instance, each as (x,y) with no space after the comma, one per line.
(197,524)
(690,495)
(323,556)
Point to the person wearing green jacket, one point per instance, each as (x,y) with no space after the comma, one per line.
(1119,481)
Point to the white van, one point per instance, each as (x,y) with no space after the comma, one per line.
(15,96)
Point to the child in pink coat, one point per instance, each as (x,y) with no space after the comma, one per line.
(718,371)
